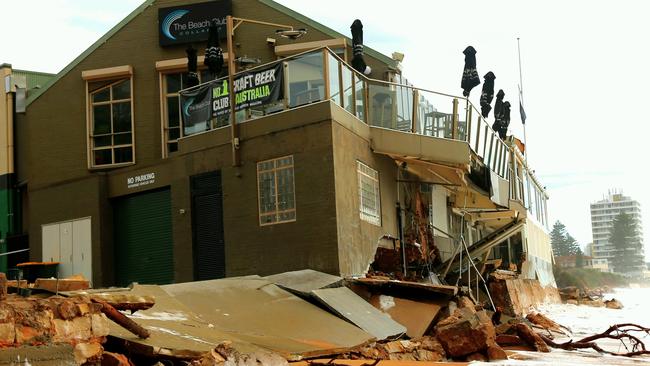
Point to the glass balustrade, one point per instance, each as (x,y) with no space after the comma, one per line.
(320,74)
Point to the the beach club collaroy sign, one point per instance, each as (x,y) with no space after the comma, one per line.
(190,23)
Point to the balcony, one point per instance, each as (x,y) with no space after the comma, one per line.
(404,122)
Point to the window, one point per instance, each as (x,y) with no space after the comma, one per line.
(276,192)
(171,84)
(369,202)
(111,123)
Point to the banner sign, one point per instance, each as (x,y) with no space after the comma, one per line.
(252,88)
(190,23)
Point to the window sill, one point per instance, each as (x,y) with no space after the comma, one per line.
(108,167)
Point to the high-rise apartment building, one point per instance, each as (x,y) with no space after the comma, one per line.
(603,214)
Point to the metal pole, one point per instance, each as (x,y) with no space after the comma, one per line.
(521,102)
(234,133)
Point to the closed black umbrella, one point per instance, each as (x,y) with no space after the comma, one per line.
(487,94)
(192,68)
(470,75)
(213,52)
(357,48)
(505,121)
(498,110)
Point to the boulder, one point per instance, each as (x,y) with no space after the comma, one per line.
(465,333)
(496,353)
(530,337)
(508,340)
(613,304)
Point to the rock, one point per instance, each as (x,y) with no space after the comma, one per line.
(613,304)
(594,303)
(465,302)
(508,340)
(543,321)
(504,328)
(572,302)
(570,292)
(87,352)
(115,359)
(468,334)
(531,338)
(430,356)
(495,353)
(476,357)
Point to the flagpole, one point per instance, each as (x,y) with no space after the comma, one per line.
(521,101)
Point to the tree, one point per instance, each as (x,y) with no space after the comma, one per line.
(580,259)
(558,238)
(562,242)
(625,239)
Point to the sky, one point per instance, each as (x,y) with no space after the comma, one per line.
(583,69)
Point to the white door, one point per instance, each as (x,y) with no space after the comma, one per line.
(81,248)
(51,243)
(69,243)
(65,267)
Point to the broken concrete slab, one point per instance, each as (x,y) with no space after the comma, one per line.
(356,310)
(416,316)
(303,282)
(422,288)
(263,314)
(48,355)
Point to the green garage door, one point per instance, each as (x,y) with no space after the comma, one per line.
(142,227)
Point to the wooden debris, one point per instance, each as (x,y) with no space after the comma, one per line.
(122,319)
(3,287)
(622,332)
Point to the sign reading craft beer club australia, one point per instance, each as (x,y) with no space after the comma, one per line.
(190,23)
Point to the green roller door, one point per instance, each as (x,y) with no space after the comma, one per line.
(143,238)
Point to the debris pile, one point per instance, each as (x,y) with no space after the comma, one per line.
(300,316)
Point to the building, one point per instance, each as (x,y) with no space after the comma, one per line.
(14,87)
(122,183)
(603,213)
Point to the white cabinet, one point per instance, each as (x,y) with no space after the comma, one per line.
(69,243)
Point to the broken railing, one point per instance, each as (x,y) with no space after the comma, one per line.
(321,74)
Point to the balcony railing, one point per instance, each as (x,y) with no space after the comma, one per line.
(321,74)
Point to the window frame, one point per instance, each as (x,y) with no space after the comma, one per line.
(364,216)
(112,76)
(275,170)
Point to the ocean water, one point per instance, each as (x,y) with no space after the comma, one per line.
(585,321)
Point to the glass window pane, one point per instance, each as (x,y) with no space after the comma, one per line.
(102,96)
(122,90)
(103,157)
(360,93)
(286,216)
(123,155)
(102,141)
(172,147)
(285,189)
(101,119)
(174,133)
(348,103)
(122,139)
(122,117)
(305,79)
(173,111)
(335,88)
(267,192)
(173,83)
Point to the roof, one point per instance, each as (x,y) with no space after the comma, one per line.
(311,23)
(329,31)
(89,50)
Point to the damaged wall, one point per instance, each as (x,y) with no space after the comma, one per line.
(357,238)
